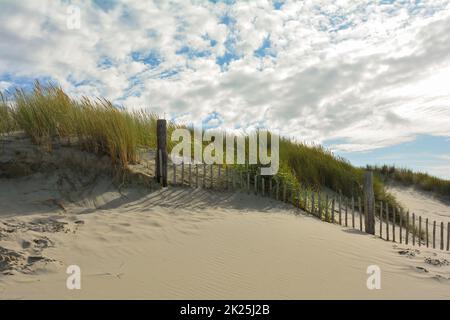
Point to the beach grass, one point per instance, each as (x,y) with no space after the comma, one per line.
(408,177)
(48,114)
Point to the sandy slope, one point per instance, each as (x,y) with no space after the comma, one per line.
(182,243)
(422,203)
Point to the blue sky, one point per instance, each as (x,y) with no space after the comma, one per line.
(369,79)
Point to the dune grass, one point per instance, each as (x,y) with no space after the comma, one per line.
(420,180)
(48,114)
(7,123)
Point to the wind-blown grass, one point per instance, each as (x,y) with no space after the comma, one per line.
(7,123)
(419,180)
(47,114)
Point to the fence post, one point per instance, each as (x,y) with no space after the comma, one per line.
(319,204)
(305,194)
(426,232)
(332,209)
(393,223)
(401,224)
(212,176)
(190,174)
(434,234)
(278,190)
(256,184)
(182,172)
(262,185)
(161,152)
(174,174)
(369,203)
(420,230)
(340,209)
(414,228)
(353,212)
(204,175)
(407,228)
(442,235)
(448,236)
(381,219)
(248,182)
(346,212)
(326,208)
(387,221)
(270,186)
(360,214)
(313,205)
(196,175)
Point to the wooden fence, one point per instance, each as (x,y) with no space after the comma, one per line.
(391,223)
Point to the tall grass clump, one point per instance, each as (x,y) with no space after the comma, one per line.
(7,123)
(47,114)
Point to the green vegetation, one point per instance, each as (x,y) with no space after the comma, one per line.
(48,114)
(419,180)
(7,123)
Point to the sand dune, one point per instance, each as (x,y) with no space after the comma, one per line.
(422,203)
(191,243)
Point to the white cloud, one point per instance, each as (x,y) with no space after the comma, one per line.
(367,74)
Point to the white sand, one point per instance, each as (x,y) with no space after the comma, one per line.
(189,244)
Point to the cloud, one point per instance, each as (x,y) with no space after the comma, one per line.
(367,74)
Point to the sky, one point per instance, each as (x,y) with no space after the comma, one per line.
(368,79)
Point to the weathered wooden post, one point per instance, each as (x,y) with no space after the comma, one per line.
(319,204)
(414,229)
(346,212)
(360,214)
(333,202)
(426,232)
(182,173)
(190,174)
(387,221)
(434,234)
(381,219)
(448,236)
(353,212)
(174,174)
(393,223)
(401,224)
(212,176)
(196,175)
(442,235)
(407,228)
(204,175)
(340,209)
(161,152)
(263,185)
(420,230)
(369,203)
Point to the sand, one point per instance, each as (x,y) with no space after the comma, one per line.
(184,243)
(423,203)
(134,241)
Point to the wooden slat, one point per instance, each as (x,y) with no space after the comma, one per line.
(434,234)
(381,219)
